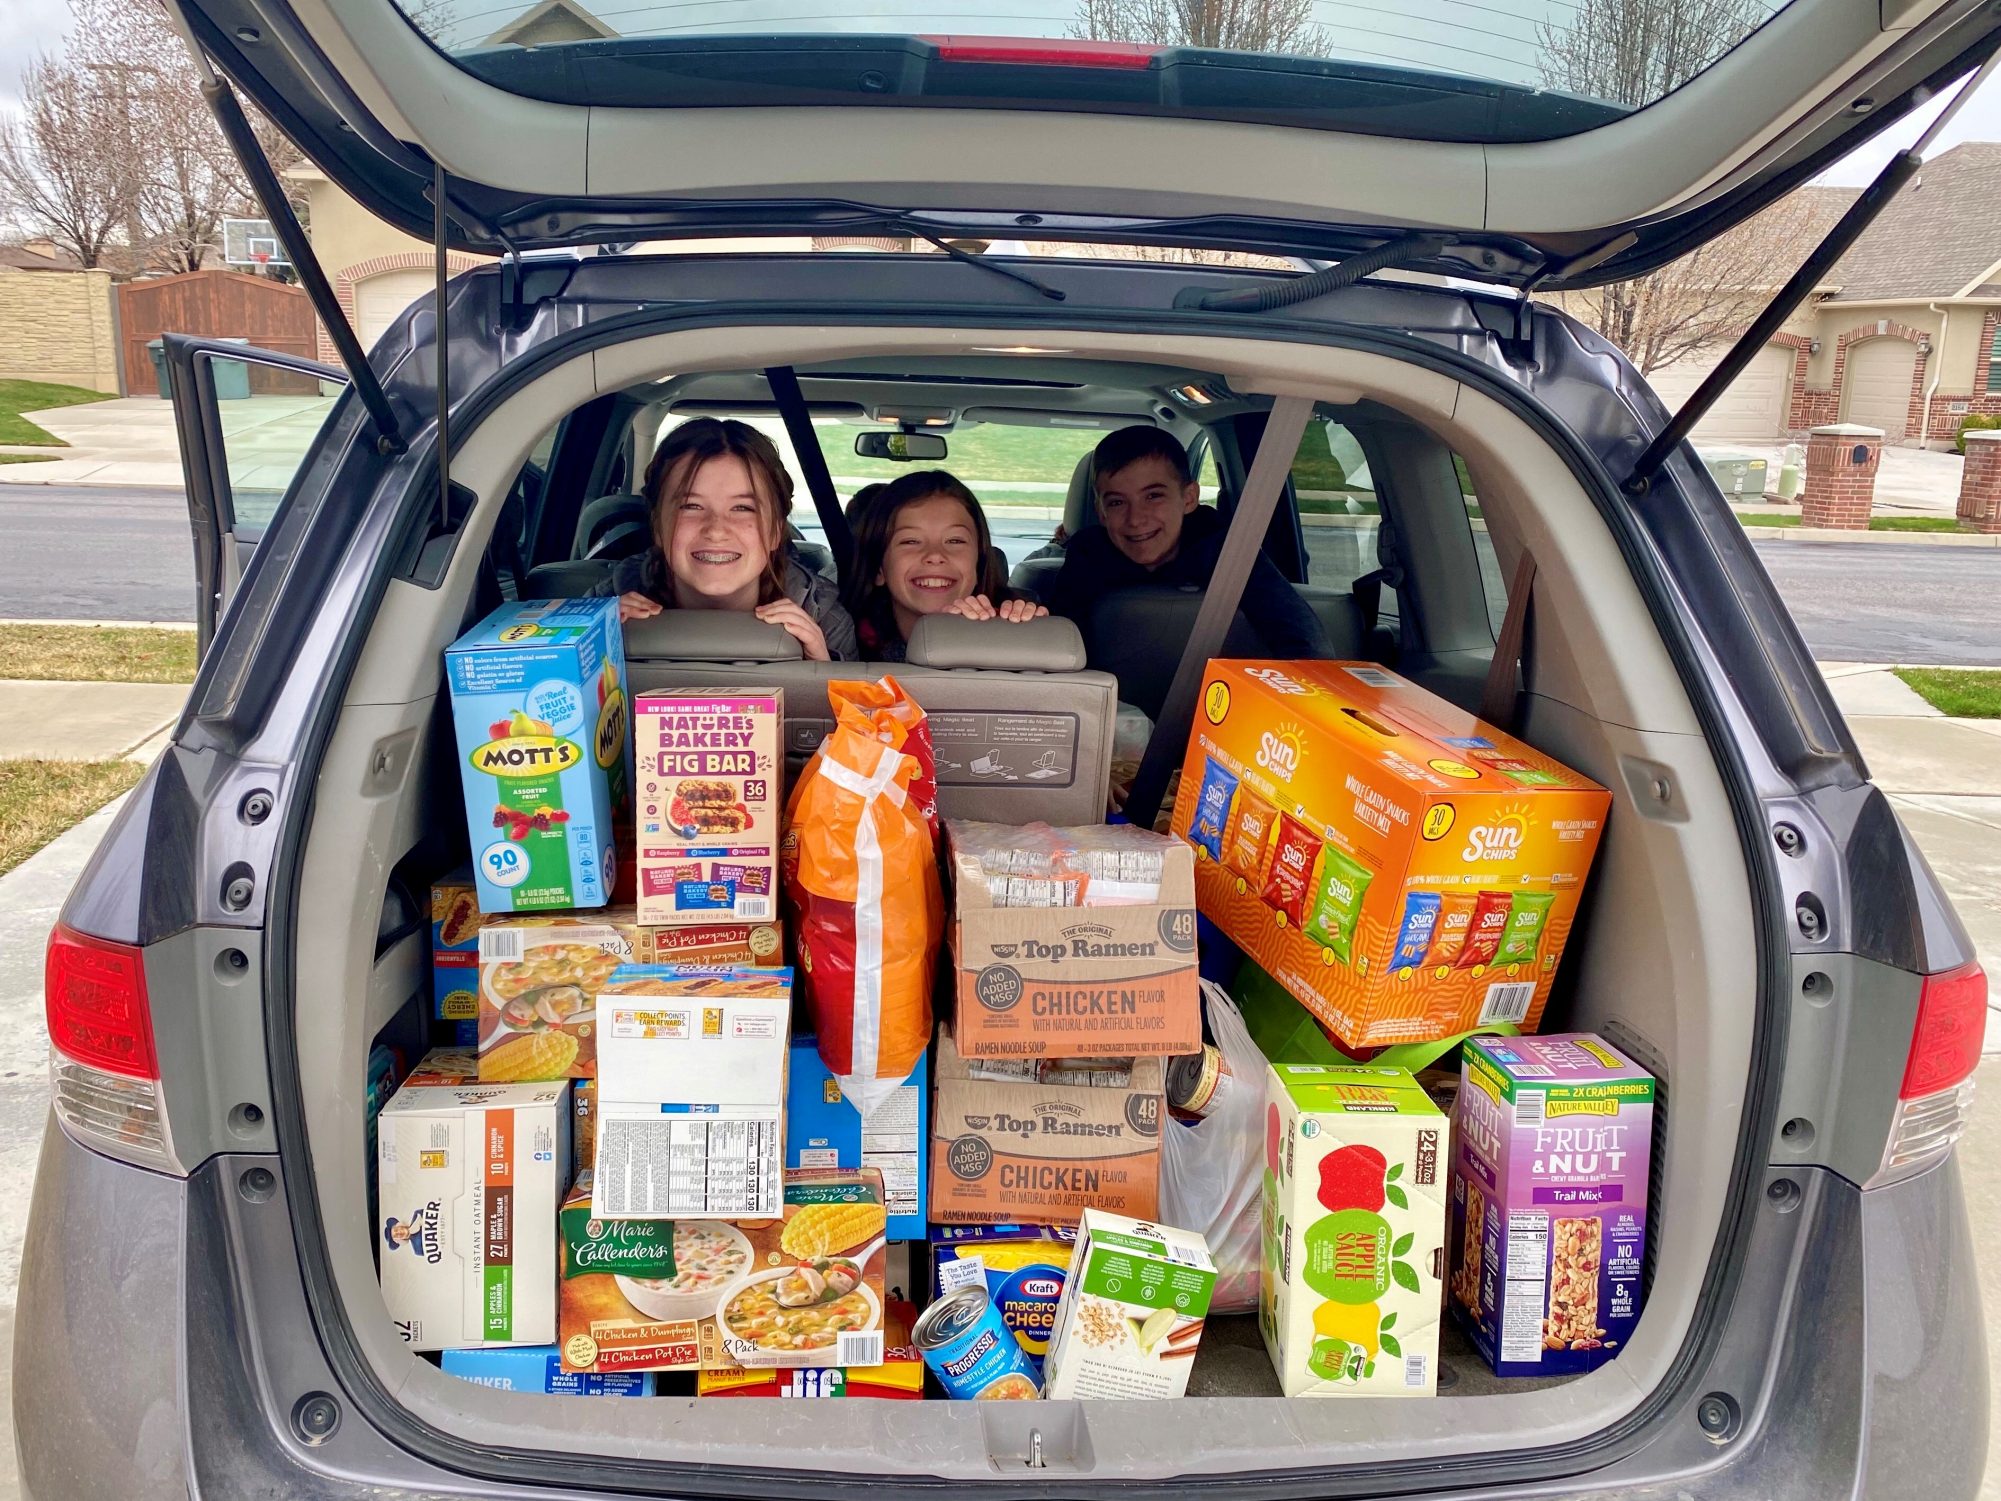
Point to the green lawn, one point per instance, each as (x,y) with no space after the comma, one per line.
(1960,692)
(26,458)
(985,456)
(96,654)
(39,799)
(1876,523)
(18,396)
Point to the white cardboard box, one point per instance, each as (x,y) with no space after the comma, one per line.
(1132,1310)
(471,1177)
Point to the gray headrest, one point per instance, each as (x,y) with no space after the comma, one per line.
(1080,506)
(1049,644)
(710,636)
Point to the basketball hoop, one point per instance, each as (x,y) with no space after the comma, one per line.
(261,257)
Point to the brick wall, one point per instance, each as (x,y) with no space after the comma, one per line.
(1840,489)
(1980,483)
(347,278)
(57,326)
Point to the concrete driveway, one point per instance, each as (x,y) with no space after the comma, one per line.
(131,441)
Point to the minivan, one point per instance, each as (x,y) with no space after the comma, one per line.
(1308,242)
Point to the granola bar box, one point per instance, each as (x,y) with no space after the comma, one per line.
(1549,1200)
(539,705)
(1352,1260)
(455,923)
(711,774)
(1405,869)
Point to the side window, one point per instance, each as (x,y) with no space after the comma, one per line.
(270,417)
(1338,513)
(1492,585)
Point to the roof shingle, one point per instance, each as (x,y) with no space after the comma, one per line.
(1937,235)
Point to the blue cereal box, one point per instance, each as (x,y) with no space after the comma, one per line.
(823,1130)
(538,1368)
(539,702)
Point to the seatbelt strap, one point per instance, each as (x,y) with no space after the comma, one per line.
(1368,595)
(784,382)
(1255,505)
(1497,699)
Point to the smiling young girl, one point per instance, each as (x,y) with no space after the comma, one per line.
(923,549)
(719,497)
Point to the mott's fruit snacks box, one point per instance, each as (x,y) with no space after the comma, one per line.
(455,922)
(538,698)
(711,785)
(470,1177)
(1404,869)
(1353,1254)
(823,1130)
(1011,1150)
(801,1291)
(1549,1200)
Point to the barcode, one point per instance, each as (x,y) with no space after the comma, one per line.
(859,1347)
(1528,1107)
(754,908)
(1414,1370)
(1505,1002)
(1375,677)
(501,945)
(1532,1071)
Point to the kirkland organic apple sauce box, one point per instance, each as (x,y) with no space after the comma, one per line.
(1353,1231)
(1406,870)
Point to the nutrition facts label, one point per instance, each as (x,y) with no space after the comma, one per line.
(1526,1292)
(689,1167)
(890,1145)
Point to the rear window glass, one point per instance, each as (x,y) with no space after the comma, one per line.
(1338,515)
(1507,71)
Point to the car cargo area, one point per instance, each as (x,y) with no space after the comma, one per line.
(1659,961)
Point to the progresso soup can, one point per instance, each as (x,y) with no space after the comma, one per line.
(971,1351)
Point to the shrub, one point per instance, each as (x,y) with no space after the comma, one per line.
(1973,422)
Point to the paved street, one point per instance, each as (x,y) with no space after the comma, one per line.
(93,552)
(1879,603)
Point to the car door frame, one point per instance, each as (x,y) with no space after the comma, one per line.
(220,553)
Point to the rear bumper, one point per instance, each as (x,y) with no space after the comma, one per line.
(163,1345)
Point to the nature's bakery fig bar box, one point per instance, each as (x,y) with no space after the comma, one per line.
(1403,868)
(1012,1151)
(710,766)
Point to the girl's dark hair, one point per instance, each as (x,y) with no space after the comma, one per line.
(868,601)
(680,457)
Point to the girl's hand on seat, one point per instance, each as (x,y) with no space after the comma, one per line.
(801,626)
(636,607)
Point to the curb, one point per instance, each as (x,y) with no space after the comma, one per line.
(104,625)
(1778,534)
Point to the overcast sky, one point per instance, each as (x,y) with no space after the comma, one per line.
(31,27)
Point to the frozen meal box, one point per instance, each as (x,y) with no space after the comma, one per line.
(539,1368)
(1132,1312)
(802,1288)
(1056,961)
(900,1377)
(1406,870)
(823,1130)
(1353,1255)
(1013,1151)
(455,923)
(539,704)
(1553,1138)
(711,774)
(1022,1267)
(691,1091)
(470,1177)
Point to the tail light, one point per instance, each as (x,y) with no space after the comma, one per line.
(103,1070)
(1936,1097)
(1044,52)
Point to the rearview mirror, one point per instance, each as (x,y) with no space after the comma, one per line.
(900,448)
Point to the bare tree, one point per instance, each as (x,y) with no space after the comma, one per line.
(1232,25)
(66,170)
(1633,52)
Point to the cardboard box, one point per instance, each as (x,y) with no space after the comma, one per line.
(470,1178)
(1132,1312)
(1405,870)
(1354,1211)
(823,1130)
(900,1377)
(539,1368)
(691,1091)
(455,924)
(584,1125)
(539,702)
(1076,982)
(1008,1152)
(1553,1141)
(711,775)
(1023,1268)
(539,974)
(662,1295)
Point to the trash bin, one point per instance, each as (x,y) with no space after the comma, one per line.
(231,377)
(156,351)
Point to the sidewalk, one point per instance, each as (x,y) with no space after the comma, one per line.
(131,441)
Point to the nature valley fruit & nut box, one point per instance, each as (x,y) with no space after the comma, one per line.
(1404,869)
(711,771)
(804,1290)
(539,702)
(1552,1141)
(1353,1231)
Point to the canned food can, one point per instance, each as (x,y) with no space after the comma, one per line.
(971,1352)
(1197,1082)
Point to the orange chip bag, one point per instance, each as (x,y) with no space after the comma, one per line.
(861,870)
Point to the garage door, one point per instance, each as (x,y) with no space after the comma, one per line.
(1752,409)
(1876,389)
(380,301)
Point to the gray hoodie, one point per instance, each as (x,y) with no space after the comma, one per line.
(646,574)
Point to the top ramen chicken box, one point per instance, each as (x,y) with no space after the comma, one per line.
(538,699)
(711,786)
(1403,868)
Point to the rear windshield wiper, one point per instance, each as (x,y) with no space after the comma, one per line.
(1405,250)
(1054,294)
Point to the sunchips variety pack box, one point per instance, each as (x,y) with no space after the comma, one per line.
(1554,1137)
(470,1177)
(823,1130)
(455,923)
(1353,1253)
(711,774)
(1404,869)
(539,702)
